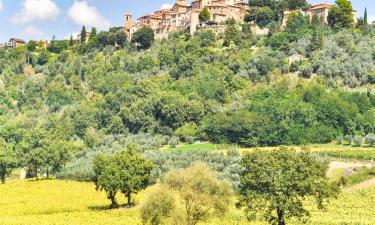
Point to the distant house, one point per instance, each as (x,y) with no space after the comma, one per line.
(15,43)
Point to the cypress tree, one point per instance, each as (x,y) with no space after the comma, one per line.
(83,34)
(365,17)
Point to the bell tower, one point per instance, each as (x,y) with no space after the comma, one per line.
(128,19)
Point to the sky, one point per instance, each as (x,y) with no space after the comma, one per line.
(41,19)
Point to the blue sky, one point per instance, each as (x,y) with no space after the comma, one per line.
(41,19)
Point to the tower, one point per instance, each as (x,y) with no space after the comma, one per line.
(181,2)
(128,19)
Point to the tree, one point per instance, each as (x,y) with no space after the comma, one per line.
(71,42)
(275,184)
(31,46)
(121,38)
(204,15)
(317,40)
(365,18)
(160,208)
(126,172)
(83,34)
(135,172)
(341,15)
(107,177)
(93,33)
(8,161)
(296,22)
(231,33)
(42,59)
(297,4)
(203,195)
(207,38)
(143,38)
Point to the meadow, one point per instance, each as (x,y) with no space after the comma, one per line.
(53,202)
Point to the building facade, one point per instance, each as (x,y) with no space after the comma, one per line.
(185,17)
(320,10)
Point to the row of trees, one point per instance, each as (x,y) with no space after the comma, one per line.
(271,186)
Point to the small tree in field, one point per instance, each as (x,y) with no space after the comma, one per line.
(202,194)
(160,208)
(135,171)
(107,177)
(275,184)
(126,172)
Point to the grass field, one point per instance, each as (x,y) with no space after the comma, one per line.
(52,202)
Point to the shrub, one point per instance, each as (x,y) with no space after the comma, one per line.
(159,208)
(173,142)
(339,140)
(358,140)
(370,139)
(348,138)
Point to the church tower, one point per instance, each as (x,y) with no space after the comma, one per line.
(181,2)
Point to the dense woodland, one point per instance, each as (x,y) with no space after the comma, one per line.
(63,105)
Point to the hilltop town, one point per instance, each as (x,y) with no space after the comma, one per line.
(184,17)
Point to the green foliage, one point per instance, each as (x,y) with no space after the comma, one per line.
(31,46)
(83,34)
(202,194)
(204,15)
(43,58)
(159,208)
(8,160)
(186,131)
(341,15)
(207,38)
(296,22)
(143,37)
(126,172)
(275,184)
(231,34)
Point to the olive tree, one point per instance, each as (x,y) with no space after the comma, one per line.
(202,194)
(274,184)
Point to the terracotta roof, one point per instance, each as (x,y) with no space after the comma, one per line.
(321,6)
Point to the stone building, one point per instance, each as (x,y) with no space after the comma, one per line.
(185,17)
(320,10)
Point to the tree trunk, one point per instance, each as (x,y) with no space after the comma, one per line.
(47,173)
(2,174)
(280,217)
(129,196)
(112,197)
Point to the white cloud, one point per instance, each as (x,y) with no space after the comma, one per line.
(166,6)
(1,6)
(32,32)
(84,14)
(36,10)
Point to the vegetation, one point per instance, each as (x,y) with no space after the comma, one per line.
(275,184)
(201,193)
(126,172)
(130,113)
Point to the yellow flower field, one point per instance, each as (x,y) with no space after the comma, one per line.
(76,203)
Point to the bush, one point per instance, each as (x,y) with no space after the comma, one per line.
(159,208)
(370,139)
(339,140)
(173,142)
(348,138)
(358,140)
